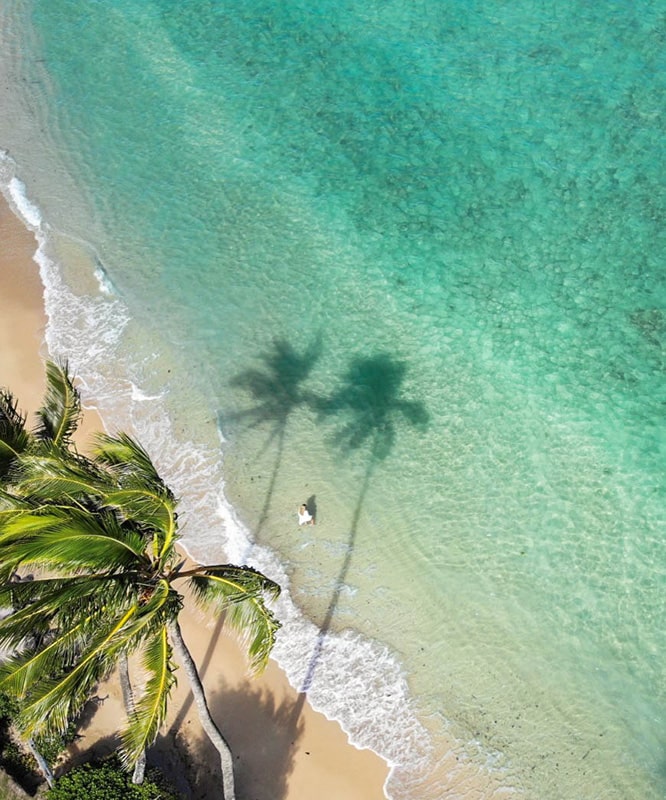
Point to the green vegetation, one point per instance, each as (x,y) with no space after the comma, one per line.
(99,534)
(107,781)
(13,759)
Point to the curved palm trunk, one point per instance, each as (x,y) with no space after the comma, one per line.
(207,722)
(41,763)
(128,698)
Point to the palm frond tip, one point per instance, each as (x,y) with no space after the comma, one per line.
(60,413)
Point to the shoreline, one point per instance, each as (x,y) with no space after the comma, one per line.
(284,748)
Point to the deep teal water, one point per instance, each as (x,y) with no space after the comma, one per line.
(408,259)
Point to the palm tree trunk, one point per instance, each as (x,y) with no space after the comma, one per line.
(41,763)
(128,698)
(207,722)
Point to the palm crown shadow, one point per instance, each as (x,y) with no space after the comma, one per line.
(278,391)
(265,739)
(369,408)
(370,400)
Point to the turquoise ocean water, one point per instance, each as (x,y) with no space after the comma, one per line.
(404,260)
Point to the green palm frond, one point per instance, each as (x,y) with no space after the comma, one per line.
(104,587)
(63,603)
(150,711)
(20,626)
(9,511)
(26,621)
(61,411)
(160,605)
(50,707)
(54,700)
(61,697)
(126,457)
(235,583)
(67,633)
(240,593)
(25,618)
(14,527)
(6,501)
(14,438)
(11,504)
(141,495)
(153,512)
(20,672)
(86,605)
(48,477)
(70,540)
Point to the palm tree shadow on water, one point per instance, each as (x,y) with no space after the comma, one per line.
(277,391)
(370,409)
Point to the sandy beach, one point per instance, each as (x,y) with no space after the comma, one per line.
(284,749)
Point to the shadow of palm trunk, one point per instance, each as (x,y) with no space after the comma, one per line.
(278,391)
(271,486)
(342,574)
(268,499)
(368,403)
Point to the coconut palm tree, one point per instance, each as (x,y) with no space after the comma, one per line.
(58,419)
(100,533)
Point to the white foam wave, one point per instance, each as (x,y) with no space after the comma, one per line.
(141,397)
(104,282)
(15,193)
(29,212)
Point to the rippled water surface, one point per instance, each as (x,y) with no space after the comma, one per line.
(407,258)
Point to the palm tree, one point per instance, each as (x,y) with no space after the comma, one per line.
(101,534)
(58,419)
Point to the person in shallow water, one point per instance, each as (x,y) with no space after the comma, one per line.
(304,516)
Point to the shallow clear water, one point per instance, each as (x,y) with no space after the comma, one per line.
(408,259)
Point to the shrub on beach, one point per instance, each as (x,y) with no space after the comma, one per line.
(51,746)
(17,763)
(108,781)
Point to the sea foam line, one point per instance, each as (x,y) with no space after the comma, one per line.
(375,710)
